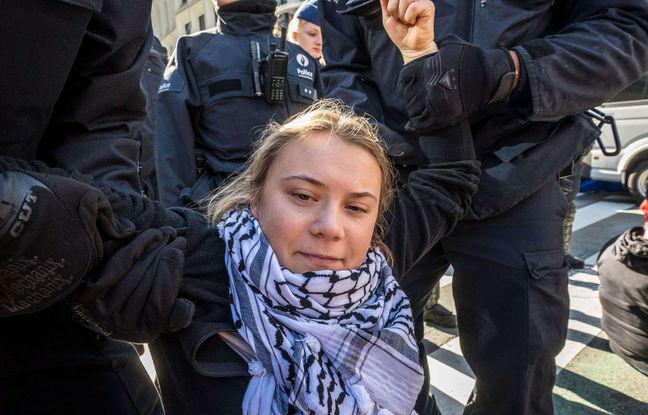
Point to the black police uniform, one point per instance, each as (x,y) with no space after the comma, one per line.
(70,93)
(150,81)
(510,280)
(207,105)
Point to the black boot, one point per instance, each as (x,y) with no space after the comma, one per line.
(574,262)
(439,315)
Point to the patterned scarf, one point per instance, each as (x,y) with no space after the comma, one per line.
(326,342)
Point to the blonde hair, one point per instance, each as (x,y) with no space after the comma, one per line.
(294,26)
(324,116)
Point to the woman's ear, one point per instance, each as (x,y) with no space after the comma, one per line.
(254,208)
(294,36)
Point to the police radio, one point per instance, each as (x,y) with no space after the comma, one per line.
(275,73)
(271,82)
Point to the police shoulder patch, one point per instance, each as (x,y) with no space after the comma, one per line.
(304,66)
(172,82)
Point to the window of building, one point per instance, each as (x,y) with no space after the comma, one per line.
(201,22)
(188,28)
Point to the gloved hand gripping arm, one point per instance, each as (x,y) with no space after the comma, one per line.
(53,231)
(126,286)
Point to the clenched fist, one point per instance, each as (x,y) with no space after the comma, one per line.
(410,25)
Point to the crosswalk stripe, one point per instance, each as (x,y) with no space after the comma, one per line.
(591,261)
(598,211)
(445,280)
(147,361)
(449,380)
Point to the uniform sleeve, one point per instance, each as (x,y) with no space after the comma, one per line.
(347,74)
(178,100)
(601,48)
(437,195)
(99,113)
(427,208)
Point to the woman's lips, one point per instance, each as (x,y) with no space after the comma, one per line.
(320,260)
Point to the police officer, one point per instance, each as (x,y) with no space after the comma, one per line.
(216,98)
(70,97)
(521,82)
(304,29)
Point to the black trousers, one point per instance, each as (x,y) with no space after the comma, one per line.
(510,289)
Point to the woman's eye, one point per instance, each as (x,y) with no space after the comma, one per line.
(356,209)
(302,196)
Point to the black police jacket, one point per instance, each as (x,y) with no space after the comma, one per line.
(55,106)
(575,55)
(207,101)
(70,96)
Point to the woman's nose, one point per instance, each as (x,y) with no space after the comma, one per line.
(328,224)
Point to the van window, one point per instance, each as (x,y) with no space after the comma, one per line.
(635,92)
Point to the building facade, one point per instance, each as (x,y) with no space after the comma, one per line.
(174,18)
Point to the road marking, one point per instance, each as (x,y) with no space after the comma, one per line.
(591,261)
(454,385)
(598,211)
(445,280)
(147,361)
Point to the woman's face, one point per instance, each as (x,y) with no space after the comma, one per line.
(309,37)
(319,204)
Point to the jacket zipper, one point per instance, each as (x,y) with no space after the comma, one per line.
(471,35)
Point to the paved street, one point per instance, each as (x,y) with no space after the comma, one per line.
(591,379)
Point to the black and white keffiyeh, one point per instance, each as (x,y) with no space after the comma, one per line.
(326,342)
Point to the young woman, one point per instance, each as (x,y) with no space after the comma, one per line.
(306,315)
(304,29)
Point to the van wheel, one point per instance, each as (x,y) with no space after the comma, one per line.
(637,182)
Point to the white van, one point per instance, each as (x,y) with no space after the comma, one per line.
(630,167)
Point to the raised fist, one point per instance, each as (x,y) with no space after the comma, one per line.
(410,25)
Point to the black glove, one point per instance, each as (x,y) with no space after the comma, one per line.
(51,235)
(134,296)
(446,87)
(449,144)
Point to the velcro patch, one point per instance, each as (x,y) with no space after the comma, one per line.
(224,85)
(307,91)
